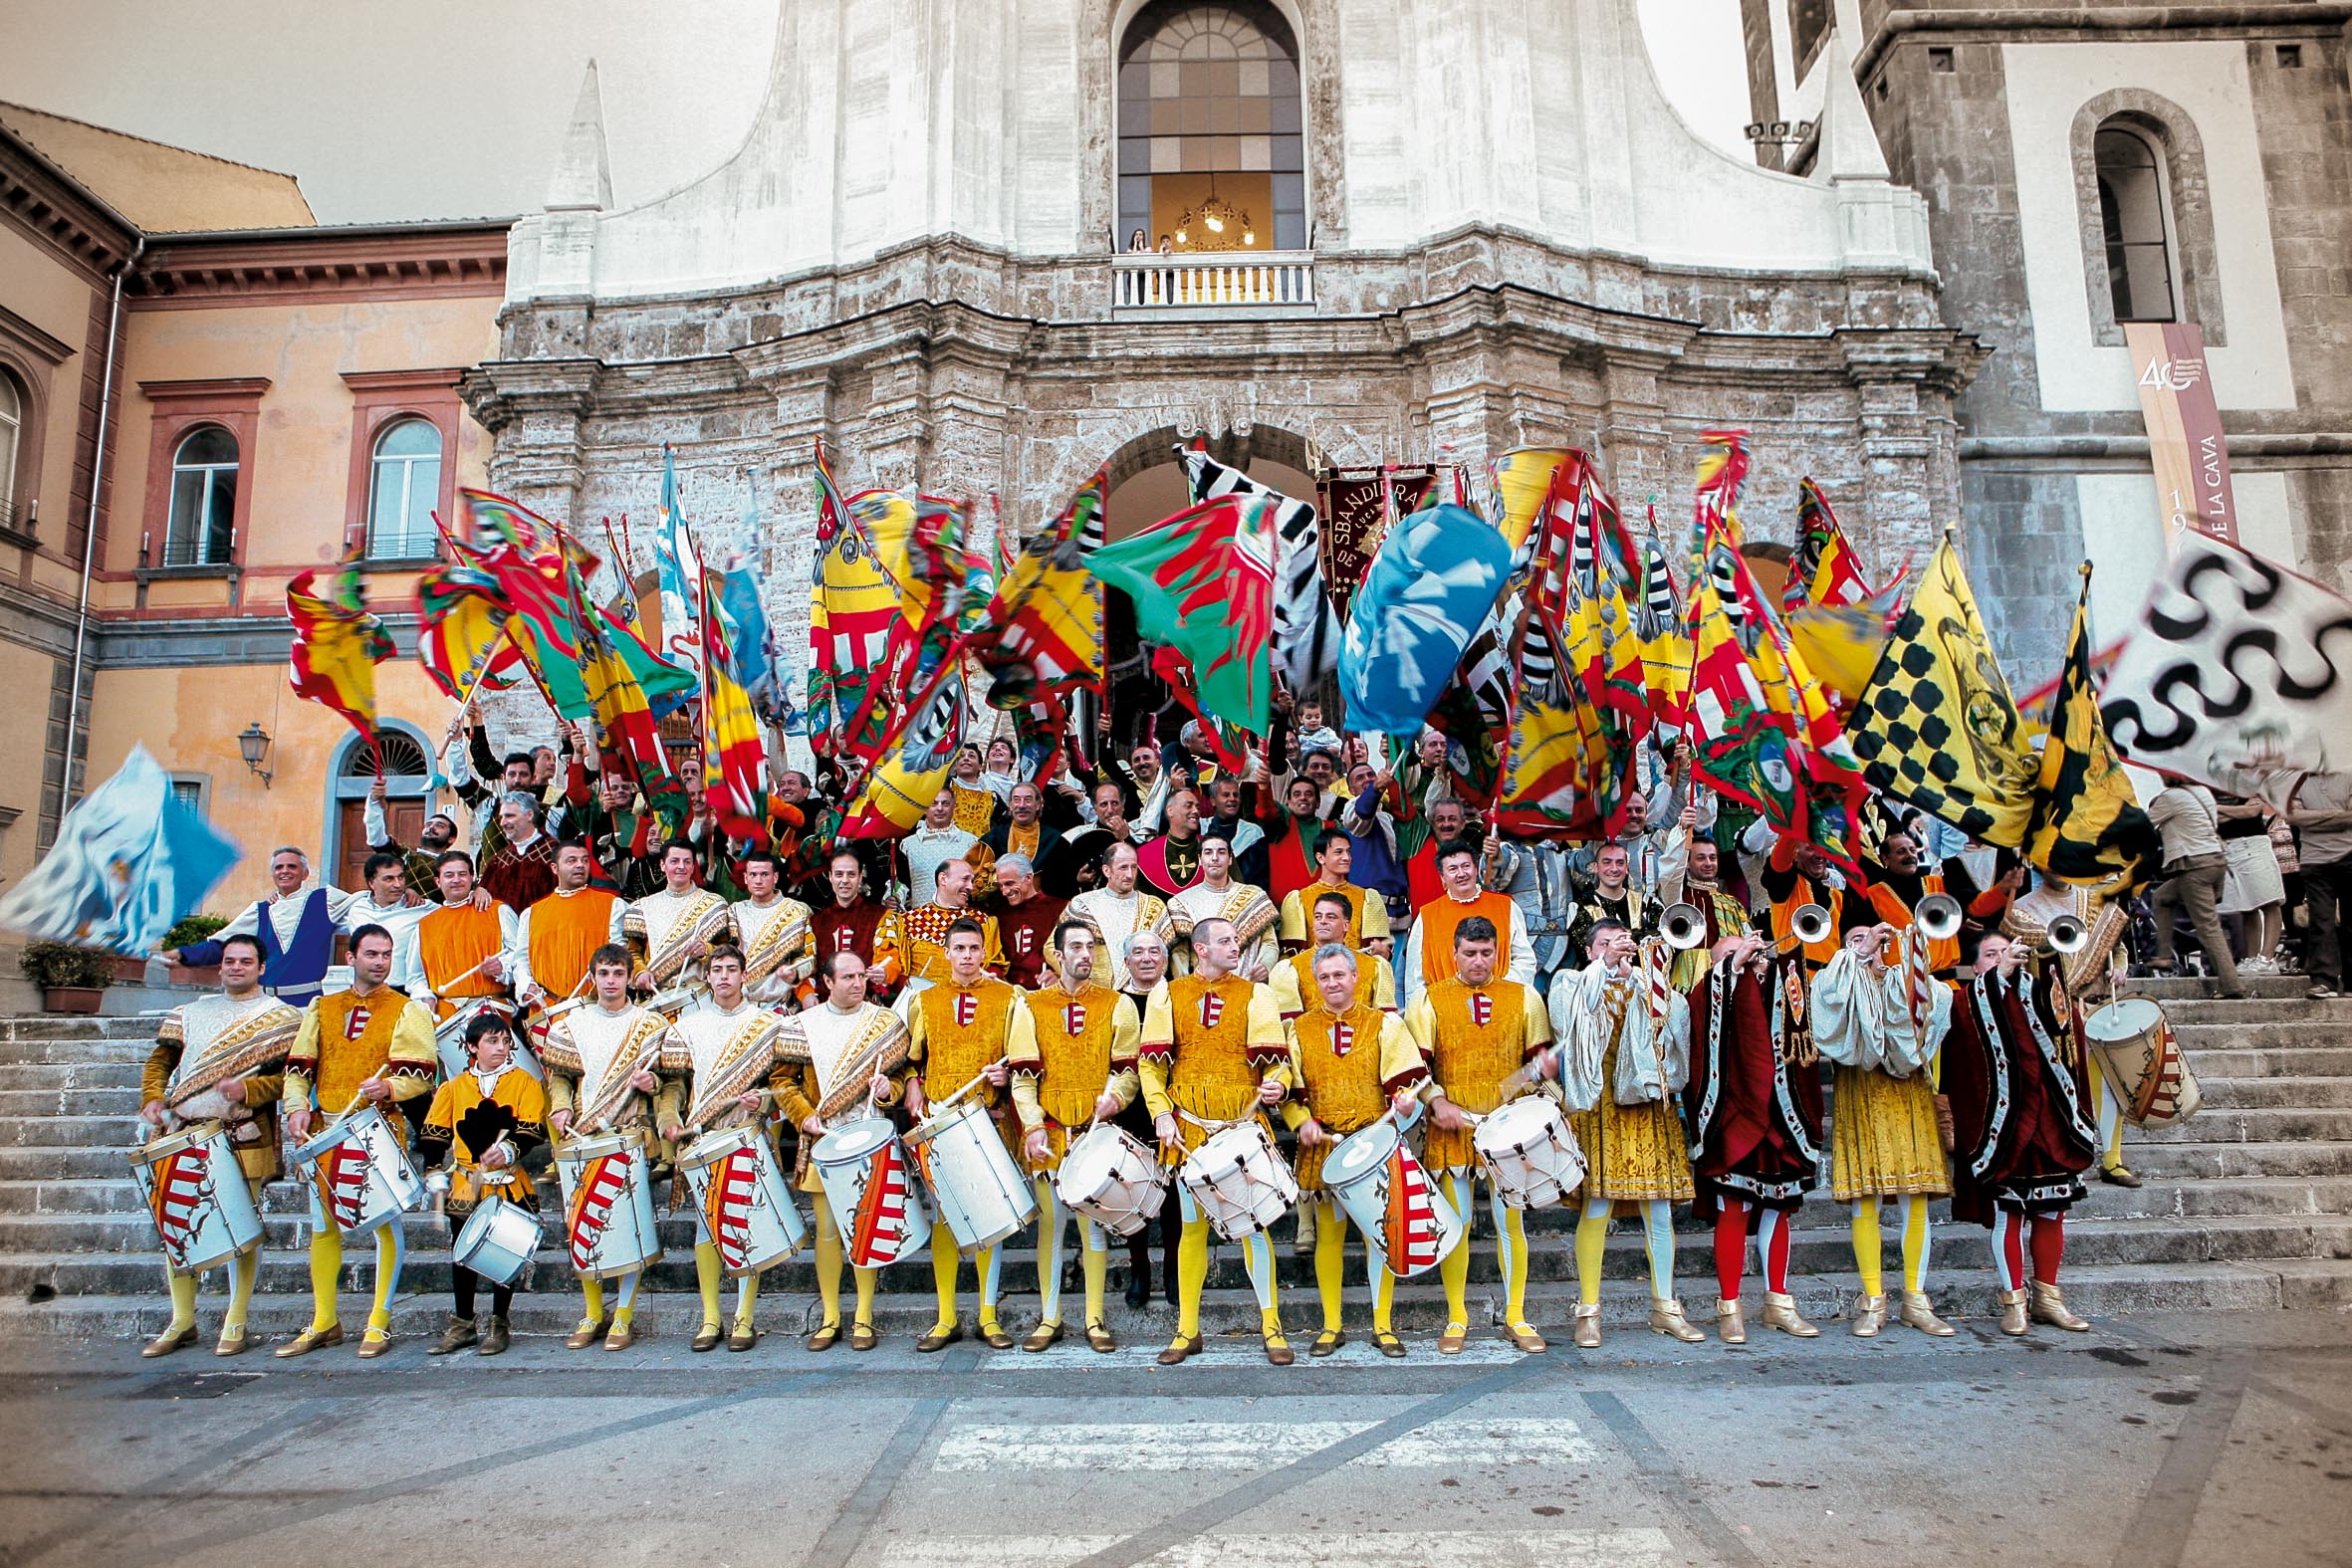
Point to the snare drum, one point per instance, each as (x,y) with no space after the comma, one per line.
(673,1003)
(1112,1179)
(497,1240)
(976,1184)
(359,1171)
(196,1193)
(1530,1152)
(871,1186)
(1407,1223)
(1238,1180)
(2142,1062)
(607,1187)
(742,1203)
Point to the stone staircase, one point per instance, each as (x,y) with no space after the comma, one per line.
(2248,1206)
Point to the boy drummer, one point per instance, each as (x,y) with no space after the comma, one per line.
(482,1122)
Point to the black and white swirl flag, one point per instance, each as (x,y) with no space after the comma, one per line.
(2240,672)
(1305,633)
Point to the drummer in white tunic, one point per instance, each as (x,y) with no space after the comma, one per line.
(1217,896)
(1079,1067)
(668,932)
(600,1065)
(729,1057)
(835,1058)
(222,1059)
(774,933)
(1117,910)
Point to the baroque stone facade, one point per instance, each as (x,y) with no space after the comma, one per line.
(1482,276)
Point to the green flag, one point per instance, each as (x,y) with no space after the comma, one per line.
(1202,585)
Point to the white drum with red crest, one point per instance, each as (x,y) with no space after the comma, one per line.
(359,1172)
(609,1222)
(1406,1221)
(742,1202)
(870,1183)
(196,1194)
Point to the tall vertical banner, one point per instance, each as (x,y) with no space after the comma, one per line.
(2185,440)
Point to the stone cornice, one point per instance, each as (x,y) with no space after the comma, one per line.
(63,217)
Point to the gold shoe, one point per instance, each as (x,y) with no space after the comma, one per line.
(2118,1175)
(622,1335)
(826,1337)
(1666,1316)
(1870,1315)
(589,1333)
(1043,1338)
(2049,1306)
(1451,1341)
(1587,1329)
(1277,1350)
(457,1336)
(307,1340)
(1178,1348)
(2013,1312)
(1729,1327)
(1329,1340)
(1914,1310)
(863,1337)
(496,1337)
(742,1336)
(940,1338)
(1523,1335)
(232,1341)
(375,1342)
(169,1340)
(1100,1340)
(1781,1312)
(707,1338)
(995,1337)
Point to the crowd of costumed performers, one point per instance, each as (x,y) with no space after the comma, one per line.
(1527,859)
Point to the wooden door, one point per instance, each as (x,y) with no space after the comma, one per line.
(405,818)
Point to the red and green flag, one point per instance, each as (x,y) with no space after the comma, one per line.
(338,644)
(1202,585)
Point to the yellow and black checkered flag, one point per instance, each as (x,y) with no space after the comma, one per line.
(2088,824)
(1937,727)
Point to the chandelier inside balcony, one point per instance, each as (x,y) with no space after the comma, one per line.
(1215,225)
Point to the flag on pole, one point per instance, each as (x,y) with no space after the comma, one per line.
(1937,725)
(1045,621)
(852,607)
(337,646)
(130,860)
(1556,774)
(1202,582)
(679,569)
(916,754)
(2087,824)
(1305,633)
(461,637)
(1428,592)
(1825,570)
(734,752)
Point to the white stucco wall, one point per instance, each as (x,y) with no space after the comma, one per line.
(2123,533)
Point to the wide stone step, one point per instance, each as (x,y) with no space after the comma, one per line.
(2194,991)
(665,1319)
(17,1076)
(2189,1158)
(2289,1006)
(57,1053)
(42,1104)
(2271,1061)
(2308,1092)
(2230,1125)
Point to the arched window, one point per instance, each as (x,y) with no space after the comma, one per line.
(203,499)
(12,430)
(403,486)
(1211,152)
(2135,225)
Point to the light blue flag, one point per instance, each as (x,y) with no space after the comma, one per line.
(1426,595)
(743,614)
(678,568)
(129,862)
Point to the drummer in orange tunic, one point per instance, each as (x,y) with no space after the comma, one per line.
(1214,1051)
(1080,1067)
(367,1045)
(1476,1031)
(961,1029)
(1348,1059)
(462,946)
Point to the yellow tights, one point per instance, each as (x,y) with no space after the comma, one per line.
(326,1270)
(830,1259)
(244,1270)
(708,1272)
(1094,1257)
(1510,1250)
(1914,1245)
(1330,1269)
(946,1260)
(1192,1275)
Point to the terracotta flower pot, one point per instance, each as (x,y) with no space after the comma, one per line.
(72,999)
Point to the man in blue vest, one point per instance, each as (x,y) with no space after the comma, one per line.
(296,925)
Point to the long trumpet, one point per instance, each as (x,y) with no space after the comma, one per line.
(1684,926)
(1938,917)
(1809,923)
(2066,934)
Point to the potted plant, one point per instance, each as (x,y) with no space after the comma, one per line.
(187,931)
(72,979)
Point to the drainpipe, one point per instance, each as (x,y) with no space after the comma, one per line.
(98,481)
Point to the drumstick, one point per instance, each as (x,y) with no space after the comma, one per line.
(934,1107)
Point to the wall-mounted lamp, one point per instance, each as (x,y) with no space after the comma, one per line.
(253,744)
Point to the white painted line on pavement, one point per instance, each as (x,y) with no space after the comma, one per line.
(1626,1548)
(1252,1444)
(1071,1355)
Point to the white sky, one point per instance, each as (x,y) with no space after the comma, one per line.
(446,109)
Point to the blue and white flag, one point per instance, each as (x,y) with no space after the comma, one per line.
(678,567)
(743,614)
(130,860)
(1427,593)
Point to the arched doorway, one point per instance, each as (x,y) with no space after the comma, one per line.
(1212,150)
(407,760)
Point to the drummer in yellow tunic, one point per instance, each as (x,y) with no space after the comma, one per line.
(833,1058)
(1292,979)
(599,1075)
(1476,1030)
(1348,1059)
(728,1057)
(964,1028)
(1883,1025)
(1080,1067)
(1214,1051)
(365,1046)
(222,1059)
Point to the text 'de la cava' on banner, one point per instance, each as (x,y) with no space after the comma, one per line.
(2185,440)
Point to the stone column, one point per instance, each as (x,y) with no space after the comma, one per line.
(533,411)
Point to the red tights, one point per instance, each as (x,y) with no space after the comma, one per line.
(1730,1248)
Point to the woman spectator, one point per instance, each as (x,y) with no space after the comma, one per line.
(2252,893)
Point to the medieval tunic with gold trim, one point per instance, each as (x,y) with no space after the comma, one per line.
(1253,915)
(215,1037)
(1882,1027)
(2023,1125)
(590,1055)
(828,1063)
(1473,1038)
(661,926)
(1367,915)
(474,1111)
(779,952)
(1753,1106)
(1624,1051)
(1207,1045)
(719,1056)
(1346,1066)
(1114,920)
(1082,1043)
(955,1031)
(346,1039)
(1295,989)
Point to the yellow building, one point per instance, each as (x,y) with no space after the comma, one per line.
(222,394)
